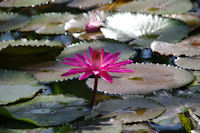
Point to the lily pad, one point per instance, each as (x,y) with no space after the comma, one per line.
(188,63)
(141,29)
(48,110)
(27,47)
(22,3)
(138,128)
(157,6)
(146,78)
(108,45)
(16,85)
(12,21)
(60,1)
(131,109)
(48,23)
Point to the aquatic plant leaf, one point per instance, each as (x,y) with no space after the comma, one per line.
(22,130)
(157,6)
(48,23)
(88,36)
(12,21)
(49,71)
(60,1)
(138,128)
(188,62)
(141,29)
(22,3)
(109,46)
(27,47)
(132,109)
(85,4)
(16,85)
(48,110)
(146,78)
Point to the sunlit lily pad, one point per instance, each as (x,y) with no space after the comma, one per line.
(12,21)
(188,63)
(146,78)
(158,6)
(138,128)
(22,3)
(187,47)
(48,110)
(84,4)
(173,106)
(25,47)
(16,85)
(132,109)
(142,29)
(48,23)
(108,45)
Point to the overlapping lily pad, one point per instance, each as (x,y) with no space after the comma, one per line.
(22,3)
(187,47)
(138,128)
(131,109)
(12,21)
(26,47)
(108,45)
(16,85)
(141,29)
(48,23)
(188,63)
(146,78)
(47,110)
(158,6)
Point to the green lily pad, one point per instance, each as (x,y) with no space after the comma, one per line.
(48,23)
(131,109)
(188,63)
(141,29)
(26,47)
(157,6)
(16,85)
(22,3)
(108,45)
(47,110)
(12,21)
(146,78)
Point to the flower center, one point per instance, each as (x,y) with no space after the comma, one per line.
(96,58)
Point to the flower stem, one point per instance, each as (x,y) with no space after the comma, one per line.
(94,91)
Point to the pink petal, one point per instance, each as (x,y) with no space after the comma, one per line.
(102,52)
(85,75)
(110,59)
(70,59)
(81,57)
(90,52)
(86,58)
(71,64)
(121,63)
(80,61)
(74,71)
(105,76)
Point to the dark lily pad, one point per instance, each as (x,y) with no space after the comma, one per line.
(188,63)
(141,29)
(12,21)
(146,78)
(60,1)
(16,85)
(48,23)
(47,110)
(22,3)
(157,6)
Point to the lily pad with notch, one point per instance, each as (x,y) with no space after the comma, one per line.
(22,3)
(188,62)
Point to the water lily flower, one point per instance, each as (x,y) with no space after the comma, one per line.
(99,63)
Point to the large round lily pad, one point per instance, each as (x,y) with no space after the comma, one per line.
(146,78)
(188,63)
(131,109)
(157,6)
(141,29)
(108,45)
(12,21)
(26,47)
(48,23)
(22,3)
(16,85)
(48,110)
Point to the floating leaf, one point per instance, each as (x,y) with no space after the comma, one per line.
(48,110)
(48,23)
(138,128)
(157,6)
(146,78)
(132,109)
(60,1)
(16,85)
(22,3)
(88,36)
(26,47)
(142,29)
(12,21)
(109,46)
(188,62)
